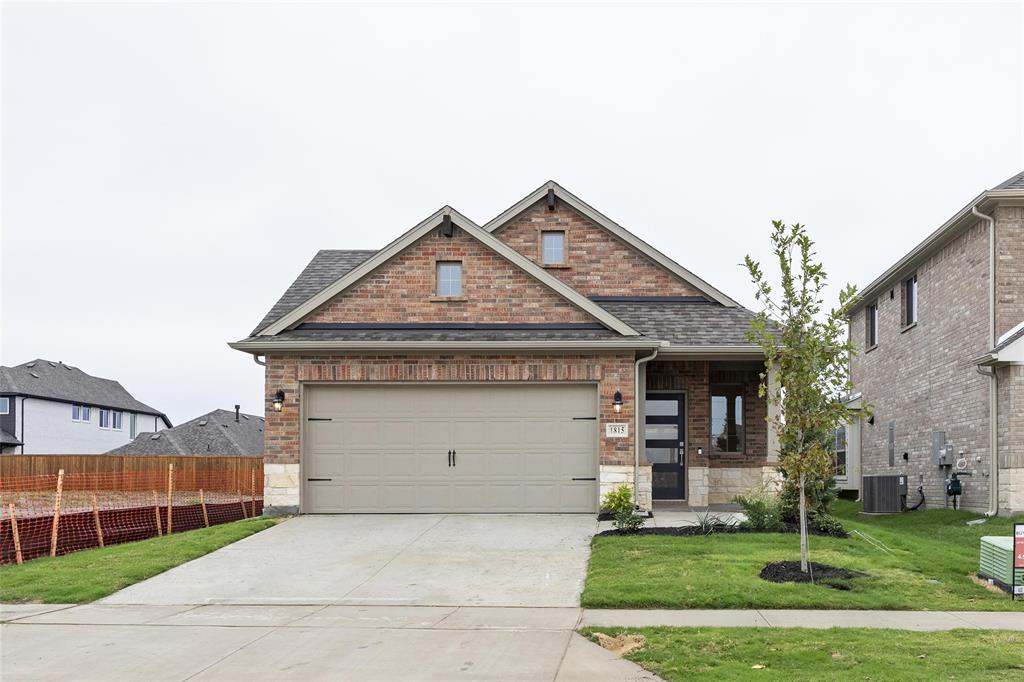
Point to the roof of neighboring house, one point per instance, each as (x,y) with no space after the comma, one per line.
(8,439)
(684,322)
(214,433)
(326,267)
(57,381)
(1012,188)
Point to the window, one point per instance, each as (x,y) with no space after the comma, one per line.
(910,301)
(81,413)
(5,405)
(871,319)
(117,418)
(449,278)
(132,426)
(104,419)
(726,418)
(553,247)
(839,459)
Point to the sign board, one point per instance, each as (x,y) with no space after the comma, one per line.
(621,430)
(1018,545)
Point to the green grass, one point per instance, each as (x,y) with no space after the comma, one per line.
(837,654)
(94,573)
(933,556)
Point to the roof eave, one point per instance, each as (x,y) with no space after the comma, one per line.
(731,351)
(259,347)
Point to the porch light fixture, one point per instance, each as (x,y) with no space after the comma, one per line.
(617,402)
(279,400)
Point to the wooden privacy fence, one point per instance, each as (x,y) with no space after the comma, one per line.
(64,511)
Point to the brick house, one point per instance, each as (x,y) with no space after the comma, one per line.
(940,361)
(508,367)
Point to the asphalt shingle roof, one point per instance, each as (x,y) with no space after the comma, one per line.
(1011,338)
(57,381)
(214,433)
(1016,182)
(685,323)
(8,439)
(326,267)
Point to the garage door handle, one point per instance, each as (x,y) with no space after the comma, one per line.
(584,478)
(319,479)
(453,458)
(449,458)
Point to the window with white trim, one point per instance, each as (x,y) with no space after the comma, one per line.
(116,420)
(449,278)
(5,405)
(104,419)
(871,322)
(910,301)
(839,452)
(132,424)
(553,247)
(81,413)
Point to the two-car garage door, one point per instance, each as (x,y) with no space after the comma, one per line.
(450,448)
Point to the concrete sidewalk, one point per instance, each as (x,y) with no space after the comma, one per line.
(802,618)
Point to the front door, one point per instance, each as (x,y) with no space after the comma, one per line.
(665,444)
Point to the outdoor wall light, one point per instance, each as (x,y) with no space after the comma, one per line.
(617,402)
(279,400)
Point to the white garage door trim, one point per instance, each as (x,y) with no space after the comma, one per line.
(554,440)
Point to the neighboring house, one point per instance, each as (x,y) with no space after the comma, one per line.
(220,432)
(940,358)
(508,368)
(49,407)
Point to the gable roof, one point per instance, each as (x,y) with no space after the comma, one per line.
(57,381)
(1012,188)
(326,267)
(686,322)
(214,433)
(358,272)
(610,225)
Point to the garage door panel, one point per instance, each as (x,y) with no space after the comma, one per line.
(387,448)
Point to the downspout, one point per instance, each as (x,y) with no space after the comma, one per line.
(636,422)
(993,507)
(256,359)
(22,425)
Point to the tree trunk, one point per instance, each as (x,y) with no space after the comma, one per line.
(804,554)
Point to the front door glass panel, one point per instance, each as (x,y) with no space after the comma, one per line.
(665,444)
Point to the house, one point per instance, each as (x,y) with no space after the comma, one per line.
(508,367)
(50,407)
(940,359)
(221,432)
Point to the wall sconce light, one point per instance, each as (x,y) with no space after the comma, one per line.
(700,452)
(617,402)
(278,400)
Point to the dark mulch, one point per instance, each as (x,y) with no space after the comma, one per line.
(695,530)
(820,574)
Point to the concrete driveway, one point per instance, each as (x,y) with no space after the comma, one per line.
(339,597)
(438,560)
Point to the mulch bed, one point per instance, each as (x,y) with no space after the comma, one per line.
(695,531)
(820,574)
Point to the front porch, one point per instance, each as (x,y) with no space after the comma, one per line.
(703,434)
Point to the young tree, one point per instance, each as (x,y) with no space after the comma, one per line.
(808,353)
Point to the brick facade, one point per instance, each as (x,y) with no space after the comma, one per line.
(611,373)
(493,290)
(923,378)
(597,263)
(1009,268)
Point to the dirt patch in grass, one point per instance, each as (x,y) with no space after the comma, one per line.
(620,644)
(820,574)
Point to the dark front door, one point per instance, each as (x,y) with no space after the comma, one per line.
(665,444)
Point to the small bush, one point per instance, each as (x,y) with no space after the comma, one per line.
(708,523)
(619,502)
(762,509)
(826,523)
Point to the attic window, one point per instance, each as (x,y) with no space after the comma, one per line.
(553,247)
(449,278)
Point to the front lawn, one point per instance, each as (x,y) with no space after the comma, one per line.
(836,654)
(933,556)
(94,573)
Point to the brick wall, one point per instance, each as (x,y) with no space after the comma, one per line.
(693,377)
(494,290)
(1009,268)
(597,264)
(612,372)
(923,377)
(1010,400)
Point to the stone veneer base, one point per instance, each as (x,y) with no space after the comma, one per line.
(613,475)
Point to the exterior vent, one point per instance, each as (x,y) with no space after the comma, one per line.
(884,494)
(997,561)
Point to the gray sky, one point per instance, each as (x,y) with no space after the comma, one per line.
(169,169)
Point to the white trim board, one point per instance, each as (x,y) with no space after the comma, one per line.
(295,315)
(617,230)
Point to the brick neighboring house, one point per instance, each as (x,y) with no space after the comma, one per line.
(508,368)
(940,339)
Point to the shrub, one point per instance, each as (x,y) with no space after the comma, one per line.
(821,493)
(826,523)
(708,523)
(761,507)
(619,502)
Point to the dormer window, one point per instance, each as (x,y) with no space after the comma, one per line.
(449,278)
(553,247)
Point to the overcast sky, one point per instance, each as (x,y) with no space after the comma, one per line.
(169,169)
